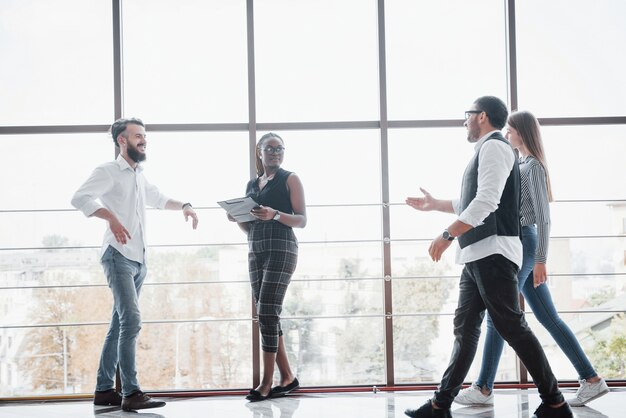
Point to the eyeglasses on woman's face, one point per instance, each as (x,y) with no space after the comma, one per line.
(273,150)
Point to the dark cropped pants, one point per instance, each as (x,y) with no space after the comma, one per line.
(272,259)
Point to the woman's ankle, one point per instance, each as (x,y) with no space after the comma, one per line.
(287,379)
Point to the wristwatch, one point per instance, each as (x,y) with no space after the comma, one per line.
(277,216)
(446,235)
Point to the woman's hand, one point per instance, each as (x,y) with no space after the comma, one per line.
(244,226)
(540,276)
(264,213)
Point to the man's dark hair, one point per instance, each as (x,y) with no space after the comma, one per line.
(120,125)
(495,109)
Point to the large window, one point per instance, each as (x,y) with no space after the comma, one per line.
(57,58)
(574,69)
(434,49)
(185,63)
(366,305)
(316,60)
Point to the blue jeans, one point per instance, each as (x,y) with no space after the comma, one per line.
(125,278)
(540,301)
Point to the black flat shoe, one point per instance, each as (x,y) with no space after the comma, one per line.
(278,391)
(256,396)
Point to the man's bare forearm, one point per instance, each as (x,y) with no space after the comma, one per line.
(443,206)
(104,213)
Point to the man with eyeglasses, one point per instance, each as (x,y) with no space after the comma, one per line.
(488,232)
(118,192)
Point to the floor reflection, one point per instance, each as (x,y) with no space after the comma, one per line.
(508,404)
(116,411)
(284,407)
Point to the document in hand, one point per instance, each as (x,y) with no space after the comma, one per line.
(239,208)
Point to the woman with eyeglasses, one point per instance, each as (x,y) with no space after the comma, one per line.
(272,256)
(523,133)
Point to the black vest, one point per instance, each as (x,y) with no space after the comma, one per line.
(505,220)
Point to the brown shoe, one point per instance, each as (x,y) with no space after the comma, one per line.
(107,397)
(140,400)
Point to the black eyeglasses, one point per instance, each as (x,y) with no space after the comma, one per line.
(274,150)
(469,113)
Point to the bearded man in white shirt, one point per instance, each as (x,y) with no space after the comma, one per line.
(488,232)
(118,192)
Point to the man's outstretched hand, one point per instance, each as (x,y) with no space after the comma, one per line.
(426,203)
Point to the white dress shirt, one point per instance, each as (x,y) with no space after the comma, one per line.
(125,192)
(495,163)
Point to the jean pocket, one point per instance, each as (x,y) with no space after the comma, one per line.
(107,255)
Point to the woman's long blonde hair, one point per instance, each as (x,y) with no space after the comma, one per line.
(527,125)
(259,164)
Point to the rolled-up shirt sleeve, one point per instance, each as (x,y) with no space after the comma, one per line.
(85,198)
(154,197)
(456,206)
(495,162)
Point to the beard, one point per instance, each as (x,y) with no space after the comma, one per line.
(472,134)
(134,154)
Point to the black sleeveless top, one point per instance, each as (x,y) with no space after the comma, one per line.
(275,193)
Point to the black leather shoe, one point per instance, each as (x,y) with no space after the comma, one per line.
(256,396)
(140,400)
(545,411)
(427,411)
(107,397)
(278,391)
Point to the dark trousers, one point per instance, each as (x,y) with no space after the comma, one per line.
(491,283)
(272,259)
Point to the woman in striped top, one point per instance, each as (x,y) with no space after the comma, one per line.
(524,135)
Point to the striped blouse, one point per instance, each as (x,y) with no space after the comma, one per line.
(534,207)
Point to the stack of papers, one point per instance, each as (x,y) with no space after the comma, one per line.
(240,208)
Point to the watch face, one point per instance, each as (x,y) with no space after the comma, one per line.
(446,235)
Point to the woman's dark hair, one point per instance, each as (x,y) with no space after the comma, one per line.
(259,145)
(494,108)
(120,125)
(527,126)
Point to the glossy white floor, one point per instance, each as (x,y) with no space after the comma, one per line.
(508,404)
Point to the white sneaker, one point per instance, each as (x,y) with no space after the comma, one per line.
(588,391)
(473,396)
